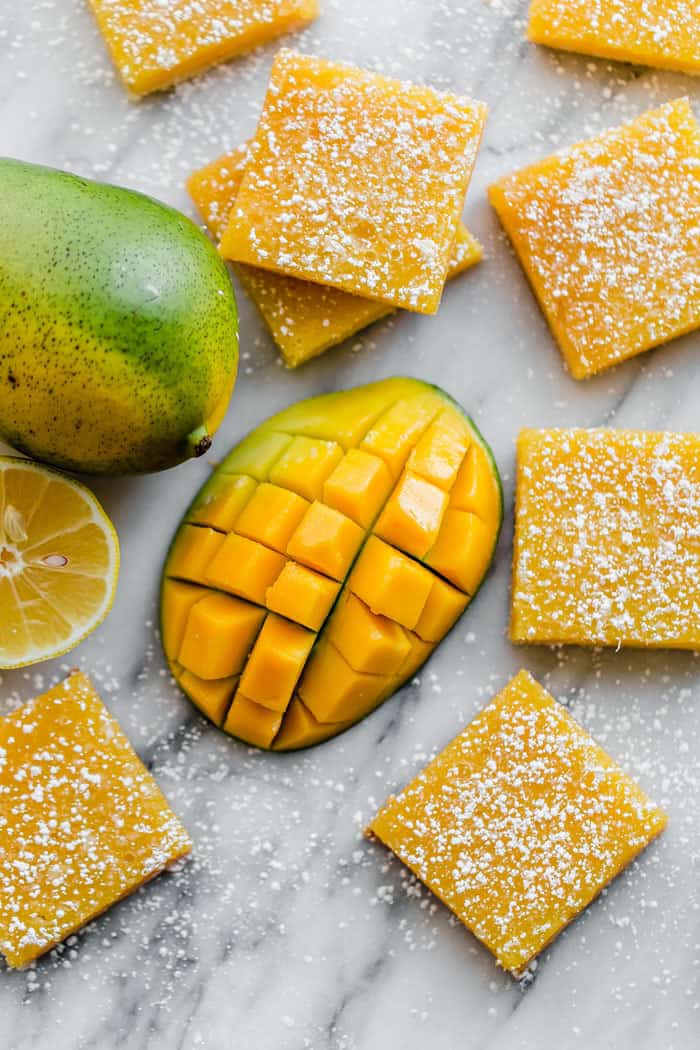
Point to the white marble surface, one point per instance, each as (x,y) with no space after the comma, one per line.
(287,931)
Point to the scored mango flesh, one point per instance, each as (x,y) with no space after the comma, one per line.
(663,33)
(355,181)
(155,44)
(519,823)
(326,558)
(304,319)
(82,821)
(607,233)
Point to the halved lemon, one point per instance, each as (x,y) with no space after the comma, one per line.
(59,562)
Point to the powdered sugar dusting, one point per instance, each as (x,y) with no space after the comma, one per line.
(607,547)
(608,234)
(519,822)
(157,42)
(655,32)
(355,181)
(82,823)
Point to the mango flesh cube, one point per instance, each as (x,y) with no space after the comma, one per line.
(607,235)
(333,691)
(277,660)
(303,318)
(219,634)
(178,600)
(245,568)
(475,488)
(441,451)
(92,829)
(396,432)
(326,540)
(192,551)
(387,164)
(606,539)
(222,501)
(304,466)
(443,608)
(341,618)
(390,583)
(464,550)
(369,643)
(663,33)
(412,516)
(213,698)
(300,728)
(359,486)
(154,45)
(252,722)
(302,595)
(271,516)
(519,823)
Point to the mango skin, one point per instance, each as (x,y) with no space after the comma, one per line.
(119,336)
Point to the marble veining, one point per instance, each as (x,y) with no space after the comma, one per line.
(287,930)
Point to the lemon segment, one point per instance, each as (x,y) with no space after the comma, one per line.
(59,563)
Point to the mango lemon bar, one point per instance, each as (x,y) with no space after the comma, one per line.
(607,235)
(519,823)
(82,822)
(355,181)
(607,539)
(663,33)
(155,44)
(304,319)
(325,560)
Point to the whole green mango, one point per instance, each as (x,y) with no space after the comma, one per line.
(118,331)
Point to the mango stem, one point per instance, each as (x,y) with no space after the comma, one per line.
(199,441)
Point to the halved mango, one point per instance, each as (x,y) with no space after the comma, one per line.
(324,561)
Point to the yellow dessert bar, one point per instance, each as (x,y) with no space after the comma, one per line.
(606,539)
(663,33)
(82,821)
(607,235)
(355,181)
(155,44)
(519,823)
(303,318)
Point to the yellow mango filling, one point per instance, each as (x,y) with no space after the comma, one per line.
(318,600)
(607,235)
(606,539)
(83,822)
(386,164)
(662,33)
(304,319)
(154,45)
(519,823)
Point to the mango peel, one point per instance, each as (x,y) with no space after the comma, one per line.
(326,558)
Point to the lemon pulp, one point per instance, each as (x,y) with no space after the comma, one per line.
(59,562)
